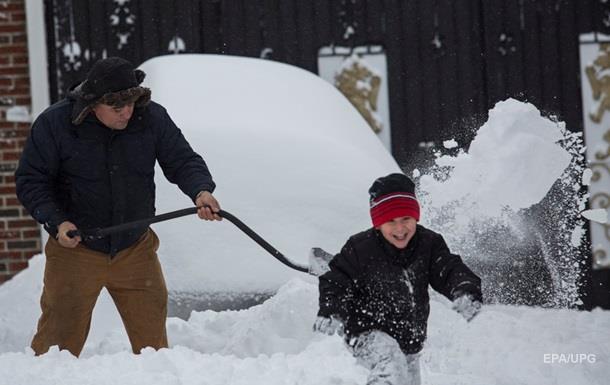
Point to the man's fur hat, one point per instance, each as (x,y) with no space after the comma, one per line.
(112,81)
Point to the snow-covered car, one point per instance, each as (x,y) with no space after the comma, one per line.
(291,157)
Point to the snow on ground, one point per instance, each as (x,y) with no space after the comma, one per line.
(299,188)
(272,343)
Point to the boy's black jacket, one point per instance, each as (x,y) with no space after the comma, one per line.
(372,285)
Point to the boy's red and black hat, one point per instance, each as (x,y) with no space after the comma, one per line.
(392,196)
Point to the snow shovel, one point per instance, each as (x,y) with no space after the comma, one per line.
(318,258)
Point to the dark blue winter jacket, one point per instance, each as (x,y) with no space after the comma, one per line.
(97,177)
(372,285)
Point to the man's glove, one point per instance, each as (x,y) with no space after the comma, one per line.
(467,306)
(328,325)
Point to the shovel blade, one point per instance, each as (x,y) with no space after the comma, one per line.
(318,261)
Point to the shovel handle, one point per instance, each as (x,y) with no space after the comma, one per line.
(101,233)
(73,233)
(262,243)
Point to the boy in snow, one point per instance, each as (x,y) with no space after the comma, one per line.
(376,292)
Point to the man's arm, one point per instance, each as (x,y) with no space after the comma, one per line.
(180,164)
(35,177)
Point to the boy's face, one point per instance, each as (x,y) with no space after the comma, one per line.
(399,231)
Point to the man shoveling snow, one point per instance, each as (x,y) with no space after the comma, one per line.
(89,162)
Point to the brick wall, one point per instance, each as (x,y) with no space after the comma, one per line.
(19,233)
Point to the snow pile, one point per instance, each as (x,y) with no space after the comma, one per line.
(281,324)
(20,306)
(273,343)
(510,206)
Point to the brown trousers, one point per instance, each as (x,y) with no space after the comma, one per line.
(73,279)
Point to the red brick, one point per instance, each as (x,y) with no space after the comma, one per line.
(5,60)
(30,254)
(20,245)
(20,39)
(2,246)
(8,145)
(2,225)
(22,223)
(9,201)
(21,80)
(11,27)
(17,16)
(9,234)
(9,179)
(10,155)
(5,277)
(22,59)
(12,213)
(6,82)
(11,255)
(26,101)
(14,70)
(12,6)
(17,91)
(15,49)
(31,234)
(17,266)
(7,125)
(8,190)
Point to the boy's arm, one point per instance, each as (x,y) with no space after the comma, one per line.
(337,285)
(450,276)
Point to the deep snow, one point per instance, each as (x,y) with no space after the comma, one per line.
(272,343)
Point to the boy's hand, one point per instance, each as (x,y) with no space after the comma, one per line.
(467,306)
(328,325)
